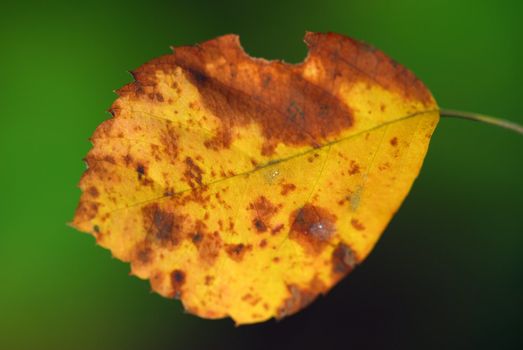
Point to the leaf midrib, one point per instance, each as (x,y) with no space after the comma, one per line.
(278,161)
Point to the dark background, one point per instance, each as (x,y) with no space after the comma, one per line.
(448,271)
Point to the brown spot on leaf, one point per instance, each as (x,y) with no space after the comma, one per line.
(394,141)
(207,243)
(343,260)
(155,151)
(142,178)
(128,159)
(286,188)
(176,87)
(143,253)
(312,227)
(354,168)
(300,297)
(169,139)
(194,105)
(277,229)
(140,169)
(263,211)
(237,251)
(177,282)
(259,225)
(251,299)
(93,192)
(193,173)
(109,159)
(87,210)
(384,166)
(197,237)
(209,247)
(163,226)
(357,225)
(209,280)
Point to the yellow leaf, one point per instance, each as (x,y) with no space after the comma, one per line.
(248,187)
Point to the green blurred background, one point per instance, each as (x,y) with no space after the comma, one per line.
(448,272)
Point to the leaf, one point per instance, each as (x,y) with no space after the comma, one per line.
(248,187)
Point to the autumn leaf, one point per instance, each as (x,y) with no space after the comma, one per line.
(247,187)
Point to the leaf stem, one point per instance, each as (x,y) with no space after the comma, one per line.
(483,119)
